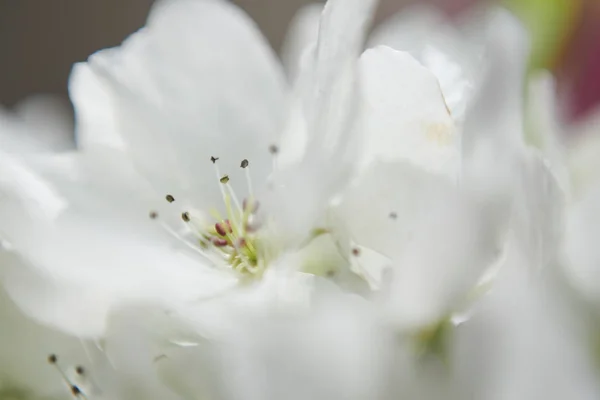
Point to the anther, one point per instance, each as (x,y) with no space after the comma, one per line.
(273,149)
(244,163)
(75,390)
(356,252)
(170,198)
(393,215)
(79,370)
(219,242)
(224,179)
(223,228)
(185,216)
(153,214)
(52,359)
(214,159)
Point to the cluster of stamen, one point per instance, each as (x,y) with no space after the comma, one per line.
(233,236)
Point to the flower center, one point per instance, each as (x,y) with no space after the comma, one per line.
(231,238)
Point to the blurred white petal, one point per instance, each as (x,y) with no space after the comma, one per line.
(302,34)
(452,54)
(198,81)
(405,114)
(41,123)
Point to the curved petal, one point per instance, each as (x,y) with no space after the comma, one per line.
(303,33)
(582,262)
(451,54)
(405,114)
(328,115)
(24,349)
(278,356)
(384,207)
(41,123)
(84,255)
(197,81)
(526,340)
(453,244)
(539,212)
(495,117)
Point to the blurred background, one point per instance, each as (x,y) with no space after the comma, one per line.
(40,40)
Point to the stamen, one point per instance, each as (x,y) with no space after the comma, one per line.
(223,228)
(224,179)
(185,216)
(153,214)
(245,165)
(273,149)
(219,242)
(214,159)
(356,252)
(53,360)
(170,198)
(79,370)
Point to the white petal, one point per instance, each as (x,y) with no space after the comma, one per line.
(302,34)
(329,115)
(197,81)
(582,261)
(41,123)
(406,117)
(455,242)
(24,349)
(276,357)
(494,120)
(452,55)
(526,341)
(84,257)
(539,211)
(385,206)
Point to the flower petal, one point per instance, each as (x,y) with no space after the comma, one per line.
(41,123)
(82,258)
(582,262)
(406,117)
(384,207)
(302,34)
(495,118)
(328,117)
(197,81)
(451,54)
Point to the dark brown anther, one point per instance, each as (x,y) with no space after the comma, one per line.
(273,149)
(52,359)
(244,163)
(75,390)
(153,214)
(219,242)
(170,198)
(79,370)
(185,216)
(224,179)
(223,228)
(356,252)
(214,159)
(393,215)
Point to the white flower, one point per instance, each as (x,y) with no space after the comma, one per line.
(398,177)
(194,95)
